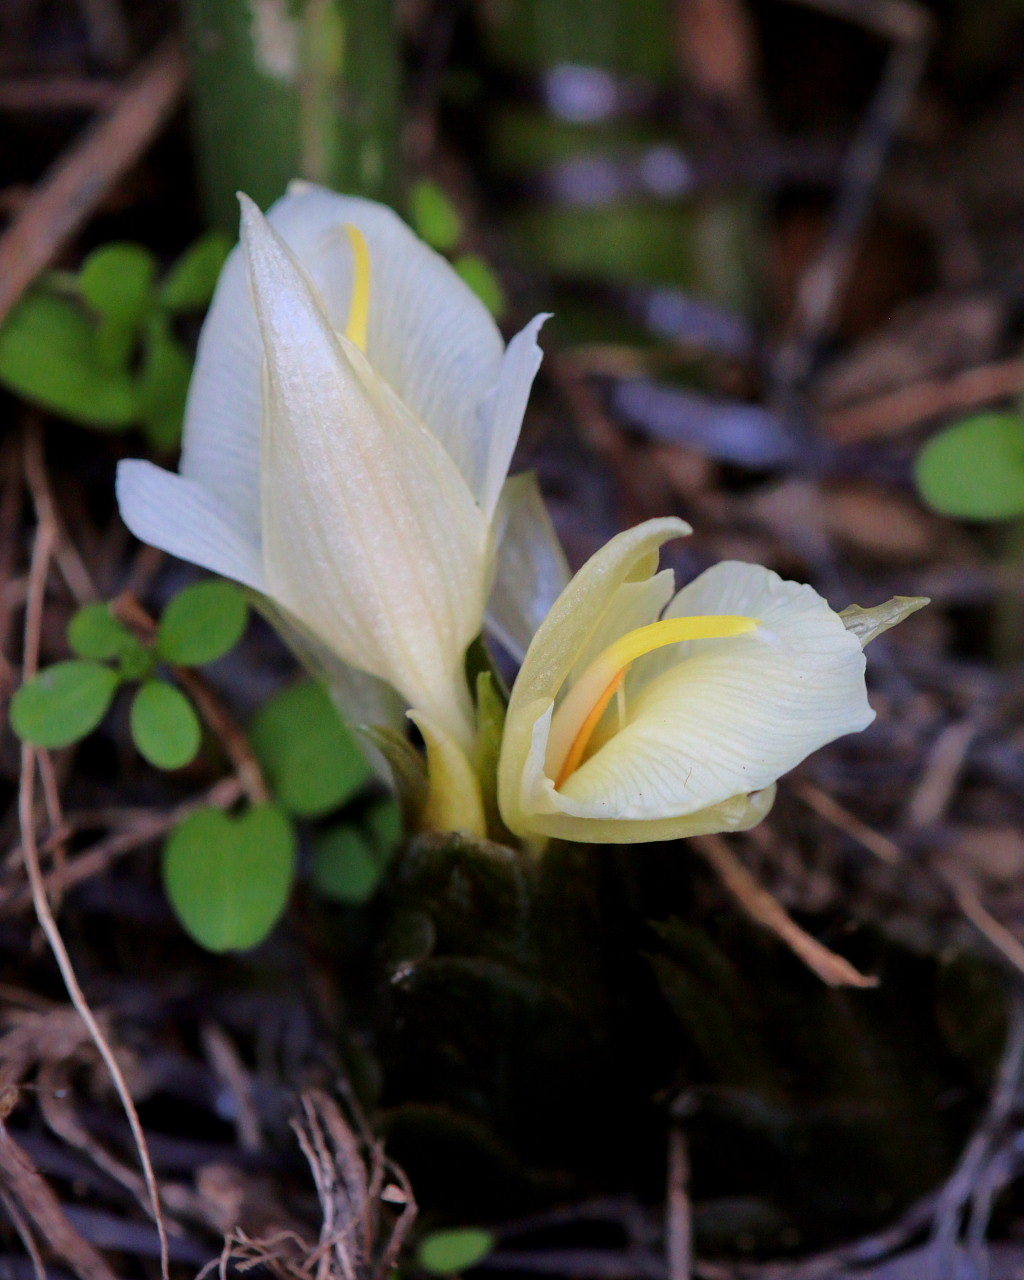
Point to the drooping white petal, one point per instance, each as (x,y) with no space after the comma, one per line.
(500,416)
(429,336)
(576,618)
(370,535)
(729,716)
(530,568)
(186,520)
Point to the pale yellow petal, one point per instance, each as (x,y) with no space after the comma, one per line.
(730,716)
(578,617)
(547,813)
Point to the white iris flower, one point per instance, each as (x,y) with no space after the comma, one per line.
(643,713)
(349,429)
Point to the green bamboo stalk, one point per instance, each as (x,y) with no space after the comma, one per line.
(293,88)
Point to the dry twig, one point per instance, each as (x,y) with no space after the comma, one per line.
(1005,942)
(21,1226)
(58,93)
(354,1180)
(39,1204)
(144,828)
(678,1217)
(908,26)
(766,910)
(76,185)
(945,761)
(911,406)
(827,807)
(46,538)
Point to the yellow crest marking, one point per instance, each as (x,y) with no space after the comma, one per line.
(580,713)
(359,307)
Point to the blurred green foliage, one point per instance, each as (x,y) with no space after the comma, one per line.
(974,470)
(445,1253)
(310,758)
(99,347)
(316,85)
(63,703)
(629,37)
(596,63)
(437,221)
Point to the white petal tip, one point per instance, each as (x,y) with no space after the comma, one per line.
(251,214)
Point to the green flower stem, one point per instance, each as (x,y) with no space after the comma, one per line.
(284,90)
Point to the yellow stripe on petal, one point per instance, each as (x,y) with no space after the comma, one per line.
(359,307)
(574,722)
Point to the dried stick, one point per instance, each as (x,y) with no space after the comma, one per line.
(1005,942)
(822,285)
(76,185)
(897,411)
(766,910)
(232,1072)
(599,430)
(231,735)
(827,807)
(960,1186)
(678,1218)
(25,1235)
(945,761)
(36,1198)
(108,32)
(10,516)
(150,825)
(46,537)
(58,93)
(65,553)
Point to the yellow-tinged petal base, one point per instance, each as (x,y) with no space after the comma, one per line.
(454,800)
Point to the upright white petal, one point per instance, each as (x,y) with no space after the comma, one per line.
(729,716)
(500,416)
(370,535)
(429,337)
(186,520)
(530,569)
